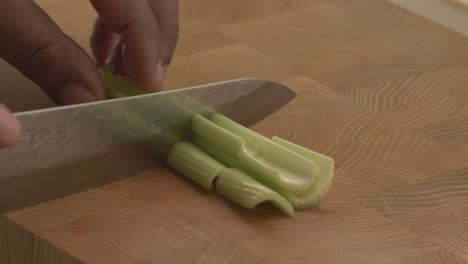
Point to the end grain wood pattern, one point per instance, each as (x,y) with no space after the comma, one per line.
(382,91)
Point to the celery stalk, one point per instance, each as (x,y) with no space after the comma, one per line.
(325,176)
(195,164)
(268,159)
(114,94)
(235,185)
(251,138)
(210,132)
(232,162)
(216,153)
(247,192)
(117,86)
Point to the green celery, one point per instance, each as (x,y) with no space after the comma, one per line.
(266,169)
(114,94)
(117,86)
(250,137)
(216,153)
(235,185)
(268,159)
(210,132)
(247,192)
(231,162)
(195,164)
(325,176)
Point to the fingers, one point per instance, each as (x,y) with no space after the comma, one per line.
(139,30)
(167,14)
(101,41)
(38,48)
(9,128)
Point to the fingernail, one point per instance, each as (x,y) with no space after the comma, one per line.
(77,94)
(161,72)
(10,128)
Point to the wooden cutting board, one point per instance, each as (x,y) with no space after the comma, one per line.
(382,91)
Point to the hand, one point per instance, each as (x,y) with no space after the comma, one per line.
(135,37)
(145,31)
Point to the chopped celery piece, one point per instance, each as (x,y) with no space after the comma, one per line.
(215,152)
(114,94)
(325,177)
(201,168)
(247,192)
(232,162)
(117,86)
(295,174)
(268,159)
(195,164)
(225,140)
(251,137)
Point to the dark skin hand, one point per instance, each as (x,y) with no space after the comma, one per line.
(135,38)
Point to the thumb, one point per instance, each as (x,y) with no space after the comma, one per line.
(41,51)
(9,128)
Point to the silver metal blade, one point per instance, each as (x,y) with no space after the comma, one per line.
(69,149)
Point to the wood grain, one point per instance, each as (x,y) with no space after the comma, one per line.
(381,90)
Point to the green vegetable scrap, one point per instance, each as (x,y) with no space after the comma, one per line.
(240,164)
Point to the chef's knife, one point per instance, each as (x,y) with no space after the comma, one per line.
(64,150)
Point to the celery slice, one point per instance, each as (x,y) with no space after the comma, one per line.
(247,192)
(117,86)
(251,138)
(114,94)
(268,159)
(195,164)
(231,162)
(216,152)
(215,135)
(325,176)
(235,185)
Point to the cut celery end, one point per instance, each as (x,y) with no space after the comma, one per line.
(216,152)
(215,135)
(195,164)
(325,175)
(313,198)
(247,192)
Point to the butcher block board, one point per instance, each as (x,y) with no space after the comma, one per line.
(382,91)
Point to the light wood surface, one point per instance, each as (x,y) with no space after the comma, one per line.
(382,91)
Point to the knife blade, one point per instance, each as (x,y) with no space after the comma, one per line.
(68,149)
